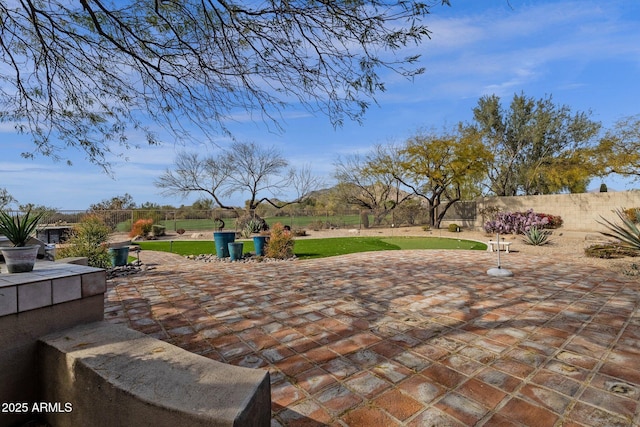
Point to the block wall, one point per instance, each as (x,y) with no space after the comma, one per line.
(580,212)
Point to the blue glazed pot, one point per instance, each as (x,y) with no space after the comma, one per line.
(235,250)
(259,243)
(222,240)
(119,256)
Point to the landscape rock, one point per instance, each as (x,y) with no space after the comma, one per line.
(247,258)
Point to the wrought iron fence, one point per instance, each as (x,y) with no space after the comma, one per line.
(198,220)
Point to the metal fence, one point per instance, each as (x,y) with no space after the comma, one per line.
(196,220)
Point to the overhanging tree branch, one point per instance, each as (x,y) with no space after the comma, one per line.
(83,74)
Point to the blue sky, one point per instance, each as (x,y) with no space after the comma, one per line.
(586,54)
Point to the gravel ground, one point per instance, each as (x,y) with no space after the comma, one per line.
(567,246)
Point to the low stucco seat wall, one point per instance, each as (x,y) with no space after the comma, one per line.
(115,376)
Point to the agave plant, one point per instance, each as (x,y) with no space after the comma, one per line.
(18,228)
(627,232)
(536,237)
(251,227)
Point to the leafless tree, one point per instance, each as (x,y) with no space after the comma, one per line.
(364,183)
(192,173)
(246,168)
(6,198)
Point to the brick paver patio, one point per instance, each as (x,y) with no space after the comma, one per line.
(406,338)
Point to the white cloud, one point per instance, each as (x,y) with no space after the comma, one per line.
(503,52)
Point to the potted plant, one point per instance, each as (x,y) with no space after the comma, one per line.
(21,257)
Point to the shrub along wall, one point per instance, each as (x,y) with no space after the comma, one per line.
(580,212)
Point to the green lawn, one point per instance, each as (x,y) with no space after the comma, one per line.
(321,248)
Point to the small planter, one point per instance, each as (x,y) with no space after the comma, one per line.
(119,256)
(20,259)
(222,240)
(235,250)
(259,243)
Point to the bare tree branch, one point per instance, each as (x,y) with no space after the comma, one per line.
(82,75)
(245,168)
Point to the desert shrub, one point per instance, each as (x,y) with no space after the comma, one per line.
(609,250)
(299,232)
(158,230)
(180,231)
(88,239)
(553,221)
(519,222)
(633,270)
(316,225)
(454,228)
(153,214)
(536,237)
(409,212)
(280,243)
(123,227)
(489,211)
(632,214)
(141,227)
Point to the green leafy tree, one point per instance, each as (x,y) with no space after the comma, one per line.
(48,213)
(442,169)
(124,202)
(203,205)
(539,147)
(619,149)
(152,206)
(111,210)
(83,74)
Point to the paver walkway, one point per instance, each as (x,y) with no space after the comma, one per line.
(406,338)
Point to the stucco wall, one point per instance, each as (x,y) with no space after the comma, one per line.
(53,297)
(580,212)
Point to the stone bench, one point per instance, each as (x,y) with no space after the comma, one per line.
(492,243)
(114,376)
